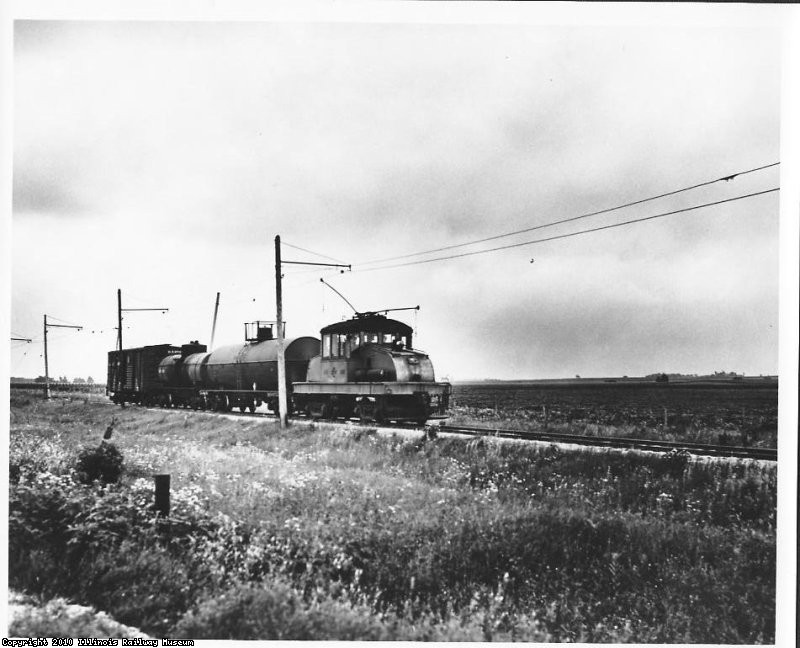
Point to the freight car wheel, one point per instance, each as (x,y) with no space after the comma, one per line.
(224,404)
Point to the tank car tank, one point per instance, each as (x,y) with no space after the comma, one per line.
(239,375)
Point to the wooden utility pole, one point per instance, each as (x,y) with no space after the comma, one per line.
(120,310)
(46,370)
(46,367)
(119,319)
(214,324)
(282,400)
(282,397)
(121,368)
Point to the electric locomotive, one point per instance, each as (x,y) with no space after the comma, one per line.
(368,368)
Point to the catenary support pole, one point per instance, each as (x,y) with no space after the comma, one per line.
(282,400)
(119,319)
(46,368)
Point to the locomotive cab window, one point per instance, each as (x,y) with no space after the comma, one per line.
(341,346)
(326,346)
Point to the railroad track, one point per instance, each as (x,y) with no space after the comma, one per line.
(741,452)
(702,449)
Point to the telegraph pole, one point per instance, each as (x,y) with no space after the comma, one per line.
(121,369)
(214,325)
(46,368)
(46,374)
(121,310)
(119,319)
(282,400)
(282,397)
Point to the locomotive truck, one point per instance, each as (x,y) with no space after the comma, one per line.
(364,367)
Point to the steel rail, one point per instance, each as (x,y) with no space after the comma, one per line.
(653,445)
(743,452)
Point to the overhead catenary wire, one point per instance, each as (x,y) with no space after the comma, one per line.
(568,234)
(725,178)
(324,256)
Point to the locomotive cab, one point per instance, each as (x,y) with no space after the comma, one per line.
(369,348)
(367,367)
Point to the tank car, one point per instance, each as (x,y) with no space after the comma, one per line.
(246,376)
(239,375)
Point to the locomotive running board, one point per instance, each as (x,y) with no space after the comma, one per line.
(372,388)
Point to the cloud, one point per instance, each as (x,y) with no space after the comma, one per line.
(39,191)
(190,145)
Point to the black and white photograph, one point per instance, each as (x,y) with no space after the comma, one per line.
(402,321)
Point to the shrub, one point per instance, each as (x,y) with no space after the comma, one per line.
(59,618)
(103,462)
(274,610)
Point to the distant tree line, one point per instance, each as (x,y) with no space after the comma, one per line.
(61,379)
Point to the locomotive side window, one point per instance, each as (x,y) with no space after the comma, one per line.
(326,346)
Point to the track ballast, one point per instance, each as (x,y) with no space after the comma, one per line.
(701,449)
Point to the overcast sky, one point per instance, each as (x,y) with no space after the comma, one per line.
(162,157)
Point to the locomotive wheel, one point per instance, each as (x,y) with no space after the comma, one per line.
(345,412)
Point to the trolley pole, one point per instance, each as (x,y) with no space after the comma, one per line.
(214,324)
(282,400)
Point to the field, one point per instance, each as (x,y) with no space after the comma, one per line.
(732,414)
(349,533)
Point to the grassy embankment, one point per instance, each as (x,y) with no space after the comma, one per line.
(316,533)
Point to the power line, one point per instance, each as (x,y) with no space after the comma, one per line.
(570,234)
(297,247)
(68,323)
(573,218)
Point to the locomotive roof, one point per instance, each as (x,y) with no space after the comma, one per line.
(369,323)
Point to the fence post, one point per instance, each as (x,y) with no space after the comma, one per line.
(162,494)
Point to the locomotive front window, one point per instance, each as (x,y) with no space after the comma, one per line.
(341,348)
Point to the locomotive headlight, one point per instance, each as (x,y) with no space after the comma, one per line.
(413,361)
